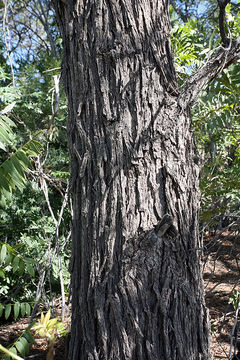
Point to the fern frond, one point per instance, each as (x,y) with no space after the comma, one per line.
(13,170)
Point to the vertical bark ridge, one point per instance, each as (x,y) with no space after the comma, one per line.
(135,295)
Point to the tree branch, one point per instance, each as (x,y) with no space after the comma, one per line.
(222,58)
(227,54)
(235,5)
(222,19)
(179,11)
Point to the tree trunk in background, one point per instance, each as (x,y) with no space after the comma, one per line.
(137,293)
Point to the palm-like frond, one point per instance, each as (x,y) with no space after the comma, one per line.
(13,170)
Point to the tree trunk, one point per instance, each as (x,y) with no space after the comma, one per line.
(137,286)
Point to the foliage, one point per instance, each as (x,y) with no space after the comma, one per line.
(13,265)
(213,326)
(29,238)
(20,346)
(234,299)
(13,169)
(10,354)
(217,132)
(45,327)
(49,328)
(192,42)
(187,46)
(12,175)
(216,115)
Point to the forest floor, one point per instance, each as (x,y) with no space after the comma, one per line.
(221,277)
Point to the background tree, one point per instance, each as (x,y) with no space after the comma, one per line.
(137,289)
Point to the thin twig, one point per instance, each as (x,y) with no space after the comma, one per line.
(7,38)
(65,200)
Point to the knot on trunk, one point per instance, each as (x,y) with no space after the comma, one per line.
(165,226)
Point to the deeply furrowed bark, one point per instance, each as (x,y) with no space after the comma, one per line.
(136,295)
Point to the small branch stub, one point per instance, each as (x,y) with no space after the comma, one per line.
(164,225)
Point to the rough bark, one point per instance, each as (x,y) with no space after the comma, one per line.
(137,290)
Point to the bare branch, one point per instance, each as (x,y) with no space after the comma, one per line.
(179,11)
(45,22)
(33,31)
(235,5)
(7,38)
(220,60)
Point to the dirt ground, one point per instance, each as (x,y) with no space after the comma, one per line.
(38,351)
(221,277)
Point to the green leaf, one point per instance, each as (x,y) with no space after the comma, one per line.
(2,273)
(4,182)
(1,309)
(8,311)
(24,159)
(28,309)
(18,246)
(21,267)
(6,127)
(15,179)
(8,259)
(5,197)
(13,169)
(3,253)
(25,345)
(28,336)
(8,108)
(3,147)
(14,354)
(8,120)
(13,350)
(4,135)
(15,264)
(32,148)
(30,269)
(6,357)
(12,172)
(22,346)
(16,309)
(18,166)
(23,309)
